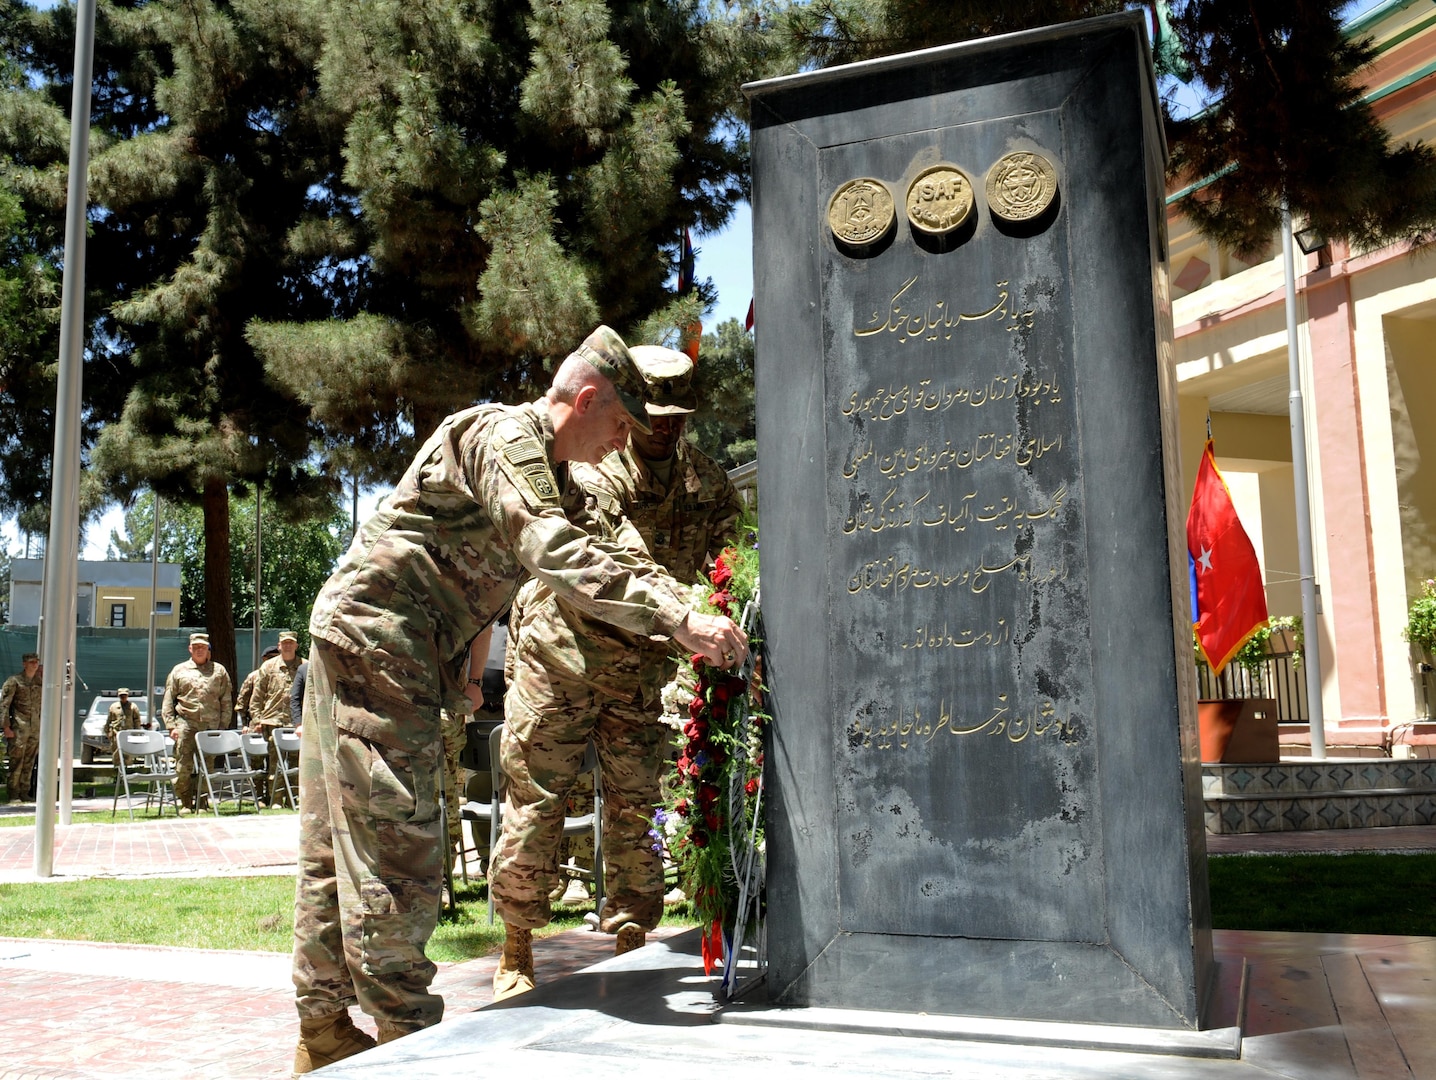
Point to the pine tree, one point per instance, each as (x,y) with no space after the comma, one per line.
(519,173)
(215,176)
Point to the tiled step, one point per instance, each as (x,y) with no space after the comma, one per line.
(1297,796)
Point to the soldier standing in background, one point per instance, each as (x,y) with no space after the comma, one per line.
(574,678)
(124,715)
(244,700)
(269,703)
(480,507)
(197,698)
(20,715)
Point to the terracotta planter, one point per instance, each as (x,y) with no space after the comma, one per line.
(1238,730)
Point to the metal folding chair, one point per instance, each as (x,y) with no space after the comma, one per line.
(477,812)
(141,760)
(221,760)
(286,745)
(256,754)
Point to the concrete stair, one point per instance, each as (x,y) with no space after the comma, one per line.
(1338,793)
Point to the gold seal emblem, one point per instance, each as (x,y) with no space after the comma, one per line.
(861,211)
(1021,185)
(939,199)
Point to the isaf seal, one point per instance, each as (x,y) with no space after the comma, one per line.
(861,211)
(1021,186)
(939,200)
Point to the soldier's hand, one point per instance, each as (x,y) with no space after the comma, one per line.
(716,637)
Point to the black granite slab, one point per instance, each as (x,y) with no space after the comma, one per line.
(984,788)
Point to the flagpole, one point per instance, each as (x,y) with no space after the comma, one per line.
(62,549)
(1311,650)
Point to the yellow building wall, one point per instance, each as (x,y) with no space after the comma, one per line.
(137,606)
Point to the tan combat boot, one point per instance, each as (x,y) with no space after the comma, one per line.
(388,1032)
(515,973)
(323,1040)
(630,936)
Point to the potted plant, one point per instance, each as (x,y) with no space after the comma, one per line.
(1421,619)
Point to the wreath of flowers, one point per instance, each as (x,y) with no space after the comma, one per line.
(713,820)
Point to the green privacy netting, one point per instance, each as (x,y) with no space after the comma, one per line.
(107,659)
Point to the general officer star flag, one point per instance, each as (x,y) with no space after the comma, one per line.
(1228,601)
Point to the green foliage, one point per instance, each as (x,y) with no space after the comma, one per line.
(1292,120)
(725,425)
(1253,656)
(298,558)
(512,174)
(1421,618)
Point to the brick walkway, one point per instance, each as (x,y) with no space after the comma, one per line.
(95,1011)
(83,1011)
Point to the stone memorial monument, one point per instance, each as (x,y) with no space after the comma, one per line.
(984,785)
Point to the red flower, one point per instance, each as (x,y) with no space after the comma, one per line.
(697,660)
(721,692)
(699,838)
(723,601)
(681,808)
(722,573)
(711,820)
(697,707)
(751,787)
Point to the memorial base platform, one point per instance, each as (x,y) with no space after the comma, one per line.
(1323,1005)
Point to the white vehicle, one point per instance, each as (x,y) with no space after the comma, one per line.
(93,738)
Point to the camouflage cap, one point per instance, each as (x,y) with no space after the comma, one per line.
(30,657)
(288,635)
(606,353)
(669,375)
(199,639)
(123,691)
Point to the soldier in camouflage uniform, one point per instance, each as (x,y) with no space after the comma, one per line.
(269,704)
(124,715)
(480,507)
(576,679)
(245,698)
(20,715)
(197,698)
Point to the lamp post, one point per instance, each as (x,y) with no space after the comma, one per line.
(1311,651)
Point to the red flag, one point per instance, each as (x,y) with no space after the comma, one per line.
(1229,603)
(748,322)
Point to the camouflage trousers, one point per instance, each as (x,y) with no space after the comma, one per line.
(453,728)
(370,854)
(546,727)
(24,751)
(184,759)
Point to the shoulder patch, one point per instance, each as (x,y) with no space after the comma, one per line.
(527,457)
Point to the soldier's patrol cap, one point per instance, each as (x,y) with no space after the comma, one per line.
(288,635)
(669,375)
(199,639)
(30,656)
(123,691)
(606,353)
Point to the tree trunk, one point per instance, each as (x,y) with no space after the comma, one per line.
(218,596)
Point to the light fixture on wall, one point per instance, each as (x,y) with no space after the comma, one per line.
(1310,240)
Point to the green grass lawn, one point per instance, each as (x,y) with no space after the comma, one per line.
(1358,894)
(228,913)
(1361,893)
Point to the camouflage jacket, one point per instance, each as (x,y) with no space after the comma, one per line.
(682,526)
(126,718)
(20,701)
(482,506)
(245,698)
(197,695)
(269,703)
